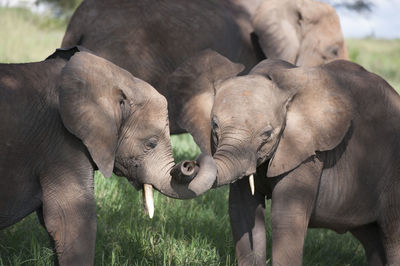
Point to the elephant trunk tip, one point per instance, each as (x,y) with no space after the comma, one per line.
(185,171)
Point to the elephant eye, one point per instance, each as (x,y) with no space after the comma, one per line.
(299,18)
(122,98)
(333,50)
(151,143)
(215,130)
(214,123)
(215,138)
(266,133)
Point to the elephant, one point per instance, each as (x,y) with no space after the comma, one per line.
(302,32)
(161,35)
(67,116)
(321,142)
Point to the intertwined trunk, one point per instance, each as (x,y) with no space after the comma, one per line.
(233,161)
(188,179)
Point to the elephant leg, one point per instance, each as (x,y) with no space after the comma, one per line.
(247,222)
(293,199)
(69,214)
(39,213)
(390,233)
(370,238)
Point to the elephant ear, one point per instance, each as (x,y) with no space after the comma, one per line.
(276,25)
(319,114)
(191,86)
(89,105)
(268,67)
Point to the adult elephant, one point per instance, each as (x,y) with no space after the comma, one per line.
(302,32)
(322,143)
(151,38)
(67,116)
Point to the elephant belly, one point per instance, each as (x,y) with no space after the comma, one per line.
(17,199)
(345,202)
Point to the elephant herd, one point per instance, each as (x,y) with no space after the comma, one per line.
(313,132)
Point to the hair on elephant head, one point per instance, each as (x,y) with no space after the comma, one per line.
(123,122)
(277,112)
(303,32)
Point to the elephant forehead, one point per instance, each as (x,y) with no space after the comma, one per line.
(252,93)
(141,91)
(149,115)
(152,120)
(155,109)
(250,86)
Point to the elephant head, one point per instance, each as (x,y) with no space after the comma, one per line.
(123,122)
(278,113)
(302,32)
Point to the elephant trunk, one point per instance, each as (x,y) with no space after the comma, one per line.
(188,179)
(232,166)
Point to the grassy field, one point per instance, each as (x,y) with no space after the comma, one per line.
(27,38)
(193,232)
(381,57)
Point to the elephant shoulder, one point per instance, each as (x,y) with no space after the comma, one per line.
(358,80)
(343,66)
(374,101)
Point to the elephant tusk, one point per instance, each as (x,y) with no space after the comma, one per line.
(251,182)
(148,199)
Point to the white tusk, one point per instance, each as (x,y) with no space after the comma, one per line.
(148,199)
(251,181)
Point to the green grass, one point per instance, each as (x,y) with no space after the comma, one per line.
(26,37)
(193,232)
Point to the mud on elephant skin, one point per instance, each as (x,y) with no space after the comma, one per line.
(152,38)
(321,141)
(67,116)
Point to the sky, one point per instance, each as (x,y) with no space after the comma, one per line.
(382,22)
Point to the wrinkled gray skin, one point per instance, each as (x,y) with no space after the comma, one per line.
(302,32)
(322,142)
(61,120)
(151,38)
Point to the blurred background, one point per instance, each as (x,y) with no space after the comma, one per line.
(371,28)
(194,232)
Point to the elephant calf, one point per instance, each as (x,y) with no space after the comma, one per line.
(323,143)
(65,117)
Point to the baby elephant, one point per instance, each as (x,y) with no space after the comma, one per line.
(323,143)
(65,117)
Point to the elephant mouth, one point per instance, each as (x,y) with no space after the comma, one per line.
(147,189)
(119,169)
(118,172)
(122,171)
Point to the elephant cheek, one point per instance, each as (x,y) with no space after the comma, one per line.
(129,168)
(155,168)
(133,179)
